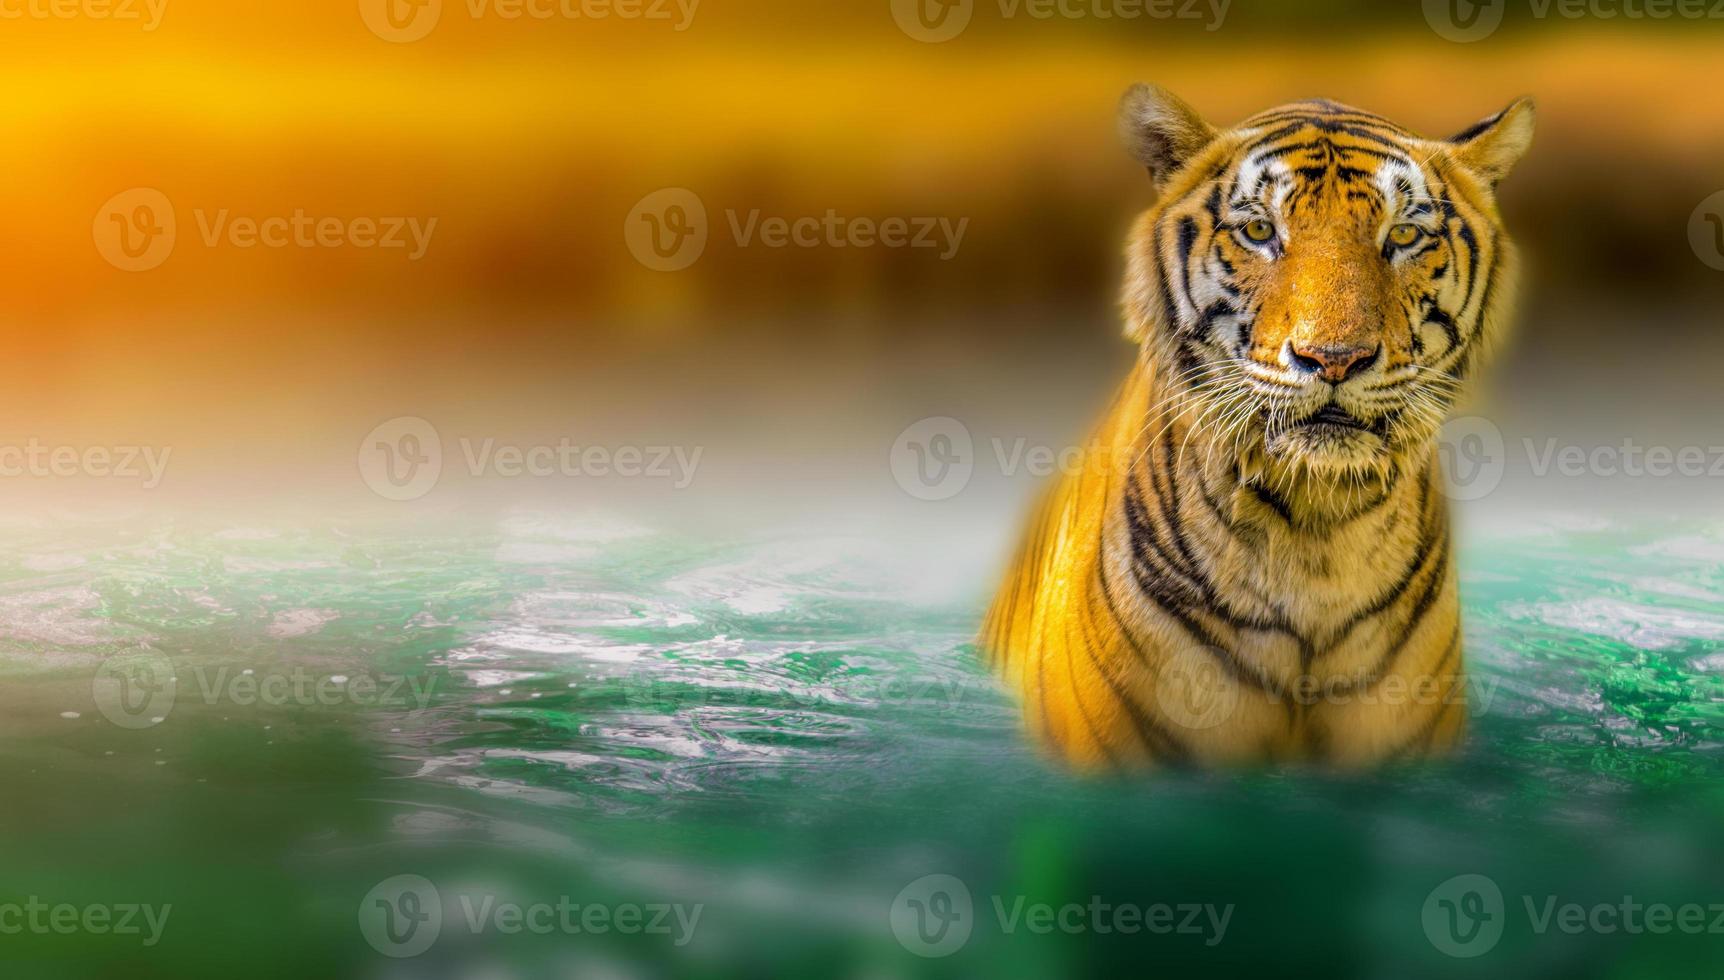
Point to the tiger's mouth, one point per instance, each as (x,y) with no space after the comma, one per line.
(1331,438)
(1332,419)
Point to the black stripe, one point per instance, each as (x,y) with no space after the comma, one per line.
(1170,316)
(1421,556)
(1082,708)
(1421,738)
(1476,129)
(1206,638)
(1147,728)
(1272,500)
(1206,322)
(1433,588)
(1187,248)
(1147,552)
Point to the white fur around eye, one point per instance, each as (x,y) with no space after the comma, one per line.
(1395,179)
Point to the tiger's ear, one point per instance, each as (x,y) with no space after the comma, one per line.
(1160,130)
(1491,147)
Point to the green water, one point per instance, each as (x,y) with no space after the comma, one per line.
(535,710)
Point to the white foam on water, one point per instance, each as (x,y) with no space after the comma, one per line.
(1675,589)
(299,622)
(1711,663)
(1688,548)
(529,640)
(1640,626)
(759,599)
(497,678)
(542,553)
(1489,525)
(469,654)
(768,580)
(586,610)
(591,528)
(68,616)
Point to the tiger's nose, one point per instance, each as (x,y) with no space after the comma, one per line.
(1334,362)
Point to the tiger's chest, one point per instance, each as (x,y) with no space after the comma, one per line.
(1276,640)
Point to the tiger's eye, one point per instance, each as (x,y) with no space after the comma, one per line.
(1259,231)
(1403,235)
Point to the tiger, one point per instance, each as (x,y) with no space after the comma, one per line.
(1251,563)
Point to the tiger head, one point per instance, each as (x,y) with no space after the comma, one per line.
(1321,283)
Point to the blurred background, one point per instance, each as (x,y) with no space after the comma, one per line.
(520,146)
(282,279)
